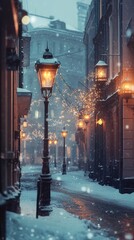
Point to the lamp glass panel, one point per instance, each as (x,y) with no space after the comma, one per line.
(101,73)
(127,87)
(47,77)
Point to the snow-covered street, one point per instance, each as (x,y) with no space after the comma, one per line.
(61,224)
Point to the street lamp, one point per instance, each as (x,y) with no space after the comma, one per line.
(46,68)
(54,142)
(64,133)
(86,118)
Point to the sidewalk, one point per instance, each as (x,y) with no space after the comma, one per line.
(76,181)
(60,224)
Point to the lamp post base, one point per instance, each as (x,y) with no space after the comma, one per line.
(45,210)
(43,195)
(64,169)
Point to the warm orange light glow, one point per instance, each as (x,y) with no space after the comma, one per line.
(80,124)
(55,141)
(22,135)
(86,117)
(127,87)
(64,133)
(25,124)
(46,77)
(50,141)
(100,121)
(101,71)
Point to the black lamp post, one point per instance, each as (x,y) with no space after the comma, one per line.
(64,133)
(55,143)
(86,118)
(46,68)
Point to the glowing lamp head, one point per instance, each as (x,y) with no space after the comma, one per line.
(80,124)
(64,133)
(47,68)
(25,124)
(22,135)
(101,73)
(55,141)
(86,117)
(50,141)
(100,121)
(127,87)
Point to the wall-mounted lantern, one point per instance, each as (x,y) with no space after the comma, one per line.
(86,117)
(80,124)
(101,71)
(25,123)
(126,88)
(99,121)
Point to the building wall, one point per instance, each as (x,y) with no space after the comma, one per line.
(82,7)
(113,43)
(9,161)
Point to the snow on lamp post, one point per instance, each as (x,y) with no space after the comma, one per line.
(64,133)
(46,68)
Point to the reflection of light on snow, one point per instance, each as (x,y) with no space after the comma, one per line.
(50,238)
(88,190)
(98,225)
(58,178)
(61,213)
(85,189)
(90,235)
(128,236)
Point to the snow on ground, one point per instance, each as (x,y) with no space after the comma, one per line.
(76,181)
(61,225)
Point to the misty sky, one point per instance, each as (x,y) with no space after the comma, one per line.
(65,10)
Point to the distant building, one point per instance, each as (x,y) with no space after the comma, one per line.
(82,7)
